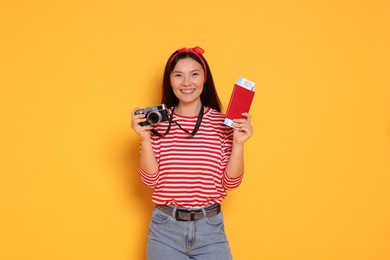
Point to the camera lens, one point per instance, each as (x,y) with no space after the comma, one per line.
(154,118)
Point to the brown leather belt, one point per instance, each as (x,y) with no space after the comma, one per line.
(191,214)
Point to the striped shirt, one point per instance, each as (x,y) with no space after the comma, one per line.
(191,169)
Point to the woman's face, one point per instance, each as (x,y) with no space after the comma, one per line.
(187,79)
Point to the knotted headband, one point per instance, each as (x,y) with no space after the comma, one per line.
(197,51)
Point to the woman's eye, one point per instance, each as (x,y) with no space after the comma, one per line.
(177,75)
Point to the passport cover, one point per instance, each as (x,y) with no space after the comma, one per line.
(240,101)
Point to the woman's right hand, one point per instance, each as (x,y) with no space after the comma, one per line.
(142,131)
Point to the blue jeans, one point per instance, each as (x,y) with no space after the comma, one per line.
(203,239)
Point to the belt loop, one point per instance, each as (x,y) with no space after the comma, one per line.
(204,212)
(174,212)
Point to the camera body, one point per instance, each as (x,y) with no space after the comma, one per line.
(154,114)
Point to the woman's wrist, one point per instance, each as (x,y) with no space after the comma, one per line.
(145,140)
(238,146)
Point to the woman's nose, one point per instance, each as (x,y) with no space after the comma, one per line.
(186,81)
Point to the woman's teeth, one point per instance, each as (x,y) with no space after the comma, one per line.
(187,91)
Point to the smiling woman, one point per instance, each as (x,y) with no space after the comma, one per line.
(190,171)
(316,182)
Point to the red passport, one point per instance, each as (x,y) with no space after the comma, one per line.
(240,102)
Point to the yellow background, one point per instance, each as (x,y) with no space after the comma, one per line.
(317,168)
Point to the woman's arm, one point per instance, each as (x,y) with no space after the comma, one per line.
(242,132)
(147,161)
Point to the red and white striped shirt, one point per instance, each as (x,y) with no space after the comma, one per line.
(191,170)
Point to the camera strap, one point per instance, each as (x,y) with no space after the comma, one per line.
(197,125)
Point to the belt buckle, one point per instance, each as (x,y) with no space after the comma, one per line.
(188,211)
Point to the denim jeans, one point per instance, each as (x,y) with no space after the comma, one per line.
(203,239)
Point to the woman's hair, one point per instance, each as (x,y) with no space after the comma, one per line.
(209,96)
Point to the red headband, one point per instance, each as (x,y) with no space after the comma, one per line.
(198,51)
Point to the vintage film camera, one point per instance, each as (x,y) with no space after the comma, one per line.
(154,114)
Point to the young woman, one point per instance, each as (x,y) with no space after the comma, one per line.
(191,160)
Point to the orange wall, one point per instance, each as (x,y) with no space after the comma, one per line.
(317,168)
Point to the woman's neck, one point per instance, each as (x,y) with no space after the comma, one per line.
(188,109)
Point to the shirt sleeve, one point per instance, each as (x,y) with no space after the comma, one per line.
(148,179)
(231,183)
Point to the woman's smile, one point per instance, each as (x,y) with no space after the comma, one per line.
(187,91)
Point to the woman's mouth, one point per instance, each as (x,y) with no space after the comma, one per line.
(187,91)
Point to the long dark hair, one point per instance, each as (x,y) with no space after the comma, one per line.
(209,96)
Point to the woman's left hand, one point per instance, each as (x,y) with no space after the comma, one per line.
(242,129)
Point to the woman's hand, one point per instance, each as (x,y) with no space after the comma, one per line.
(142,131)
(242,129)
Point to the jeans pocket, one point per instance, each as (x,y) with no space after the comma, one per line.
(215,220)
(160,217)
